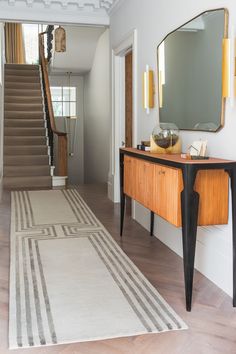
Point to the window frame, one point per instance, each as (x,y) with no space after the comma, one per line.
(62,87)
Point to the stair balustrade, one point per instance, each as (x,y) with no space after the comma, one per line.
(52,129)
(49,34)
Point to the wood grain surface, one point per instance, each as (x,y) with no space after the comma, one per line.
(159,188)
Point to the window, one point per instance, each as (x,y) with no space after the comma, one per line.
(64,101)
(30,32)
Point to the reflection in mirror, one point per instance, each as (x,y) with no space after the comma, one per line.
(190,73)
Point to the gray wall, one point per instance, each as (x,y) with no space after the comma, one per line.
(192,93)
(75,163)
(97,114)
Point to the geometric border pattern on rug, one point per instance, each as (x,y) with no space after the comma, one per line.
(31,319)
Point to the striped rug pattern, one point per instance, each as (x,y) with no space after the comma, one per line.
(70,281)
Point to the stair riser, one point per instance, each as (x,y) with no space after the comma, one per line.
(23,99)
(23,115)
(17,171)
(23,123)
(27,182)
(25,150)
(23,107)
(23,92)
(24,73)
(19,141)
(22,79)
(22,86)
(26,160)
(21,67)
(24,131)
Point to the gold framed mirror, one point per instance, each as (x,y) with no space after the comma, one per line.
(193,74)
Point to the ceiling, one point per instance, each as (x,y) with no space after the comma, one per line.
(81,43)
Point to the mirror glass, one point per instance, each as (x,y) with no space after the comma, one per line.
(190,73)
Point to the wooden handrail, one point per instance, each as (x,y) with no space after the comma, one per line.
(62,136)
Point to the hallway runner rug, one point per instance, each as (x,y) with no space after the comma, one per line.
(70,281)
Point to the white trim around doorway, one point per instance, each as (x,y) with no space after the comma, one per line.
(128,43)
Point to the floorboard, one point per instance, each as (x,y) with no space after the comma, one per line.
(212,322)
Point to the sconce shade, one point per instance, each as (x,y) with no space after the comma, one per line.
(60,39)
(148,90)
(226,68)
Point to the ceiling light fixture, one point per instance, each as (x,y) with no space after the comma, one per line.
(60,39)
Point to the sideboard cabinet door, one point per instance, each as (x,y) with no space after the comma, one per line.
(167,188)
(139,180)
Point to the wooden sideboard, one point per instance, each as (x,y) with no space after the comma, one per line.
(184,192)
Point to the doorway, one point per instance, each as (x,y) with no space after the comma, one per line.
(129,112)
(128,44)
(129,99)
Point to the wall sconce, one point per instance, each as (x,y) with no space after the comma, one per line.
(161,72)
(148,89)
(226,68)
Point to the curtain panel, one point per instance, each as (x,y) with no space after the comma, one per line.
(14,43)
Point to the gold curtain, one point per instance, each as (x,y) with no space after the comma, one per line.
(14,43)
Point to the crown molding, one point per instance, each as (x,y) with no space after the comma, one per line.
(37,11)
(115,6)
(92,5)
(67,11)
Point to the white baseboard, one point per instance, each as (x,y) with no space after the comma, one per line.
(112,194)
(59,181)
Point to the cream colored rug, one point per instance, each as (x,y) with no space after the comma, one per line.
(70,281)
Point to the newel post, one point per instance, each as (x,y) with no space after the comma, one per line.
(62,155)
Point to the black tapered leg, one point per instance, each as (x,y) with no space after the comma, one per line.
(151,223)
(122,195)
(232,174)
(189,208)
(122,213)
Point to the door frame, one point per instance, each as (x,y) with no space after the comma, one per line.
(128,43)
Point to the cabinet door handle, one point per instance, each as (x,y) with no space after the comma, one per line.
(162,172)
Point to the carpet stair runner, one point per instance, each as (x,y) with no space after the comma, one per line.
(26,159)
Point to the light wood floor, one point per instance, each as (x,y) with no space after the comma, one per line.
(212,322)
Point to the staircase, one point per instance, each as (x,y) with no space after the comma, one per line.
(26,160)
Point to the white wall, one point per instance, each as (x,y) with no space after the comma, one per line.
(81,43)
(97,114)
(153,19)
(2,61)
(75,163)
